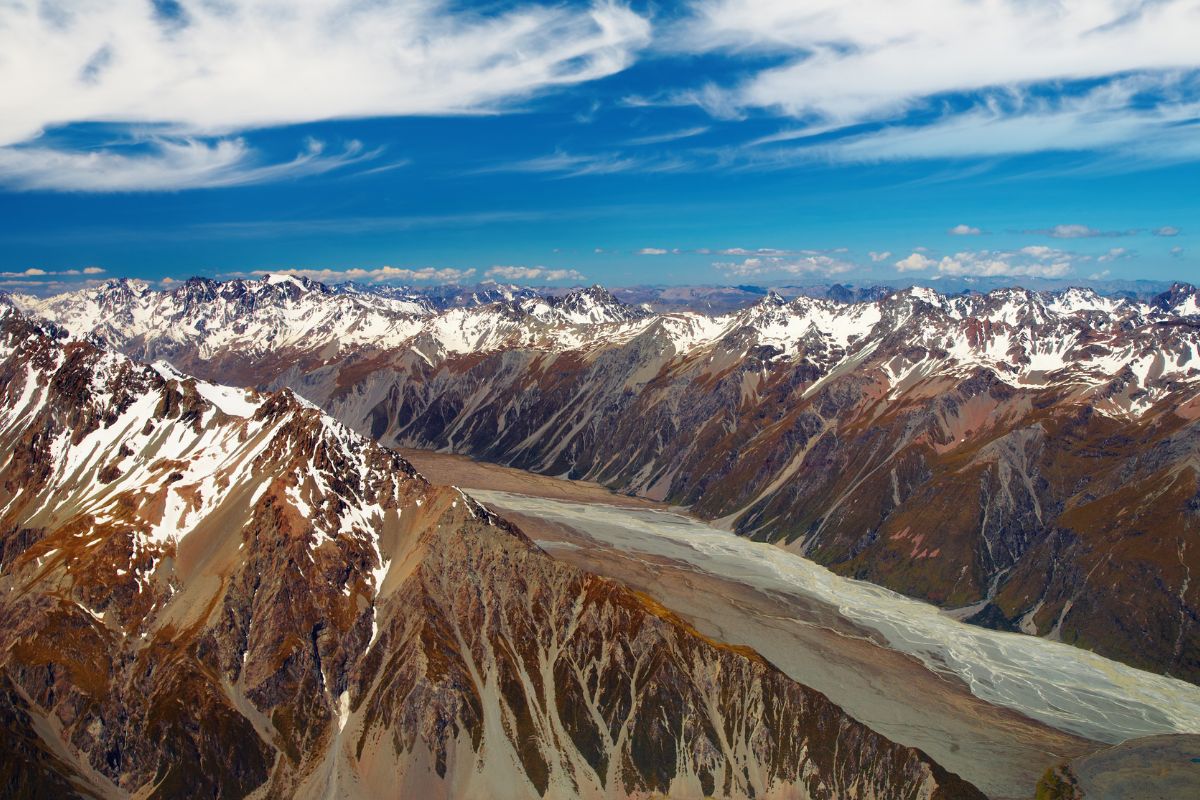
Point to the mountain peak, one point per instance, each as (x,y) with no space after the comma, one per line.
(595,305)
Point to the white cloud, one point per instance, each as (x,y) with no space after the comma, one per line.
(573,165)
(162,164)
(842,64)
(804,265)
(1114,254)
(1016,121)
(1073,232)
(914,262)
(763,251)
(240,64)
(1166,230)
(878,257)
(534,274)
(1099,276)
(569,165)
(670,136)
(870,59)
(988,265)
(200,76)
(1177,251)
(422,274)
(964,230)
(1036,261)
(37,272)
(652,251)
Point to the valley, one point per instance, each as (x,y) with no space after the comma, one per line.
(999,709)
(963,523)
(1052,437)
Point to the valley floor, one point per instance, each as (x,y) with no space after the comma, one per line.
(1000,750)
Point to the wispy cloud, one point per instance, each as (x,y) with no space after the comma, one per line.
(375,275)
(670,136)
(163,164)
(965,230)
(1166,230)
(869,59)
(534,274)
(569,165)
(1076,231)
(1027,76)
(240,64)
(1115,254)
(653,251)
(818,264)
(212,70)
(573,165)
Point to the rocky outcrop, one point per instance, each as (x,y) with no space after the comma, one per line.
(212,592)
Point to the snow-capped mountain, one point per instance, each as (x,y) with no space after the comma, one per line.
(221,592)
(1026,457)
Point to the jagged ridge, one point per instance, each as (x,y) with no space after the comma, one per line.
(209,591)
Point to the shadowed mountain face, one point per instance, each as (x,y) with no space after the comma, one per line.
(1029,457)
(211,592)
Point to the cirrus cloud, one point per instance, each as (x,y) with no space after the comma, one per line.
(534,274)
(197,73)
(815,264)
(420,274)
(163,164)
(241,64)
(1075,231)
(1027,77)
(871,59)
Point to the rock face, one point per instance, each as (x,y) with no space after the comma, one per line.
(1029,457)
(216,592)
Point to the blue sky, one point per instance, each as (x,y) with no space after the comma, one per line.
(719,141)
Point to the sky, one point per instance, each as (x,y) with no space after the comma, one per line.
(714,141)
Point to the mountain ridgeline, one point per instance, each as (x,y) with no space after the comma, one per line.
(1031,459)
(219,592)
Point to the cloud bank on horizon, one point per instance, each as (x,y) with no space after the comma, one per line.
(523,100)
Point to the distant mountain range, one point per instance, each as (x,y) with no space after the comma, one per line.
(1028,458)
(208,591)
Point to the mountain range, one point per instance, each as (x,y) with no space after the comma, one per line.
(209,591)
(1027,459)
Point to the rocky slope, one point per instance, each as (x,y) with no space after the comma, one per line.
(216,592)
(1030,458)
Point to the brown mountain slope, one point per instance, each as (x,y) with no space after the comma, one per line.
(1030,456)
(206,592)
